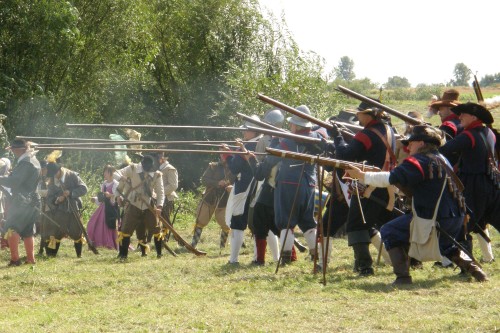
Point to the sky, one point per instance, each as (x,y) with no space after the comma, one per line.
(419,40)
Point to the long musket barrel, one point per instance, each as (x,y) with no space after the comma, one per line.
(185,127)
(294,111)
(284,135)
(312,119)
(381,106)
(130,143)
(171,151)
(260,123)
(116,142)
(339,164)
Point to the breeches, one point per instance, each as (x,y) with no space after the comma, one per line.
(67,226)
(263,221)
(205,212)
(140,220)
(292,210)
(396,233)
(334,217)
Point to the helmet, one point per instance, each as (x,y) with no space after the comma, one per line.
(299,120)
(274,117)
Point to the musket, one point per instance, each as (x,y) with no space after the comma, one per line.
(312,119)
(294,111)
(286,135)
(105,142)
(381,106)
(128,143)
(477,89)
(339,164)
(185,127)
(171,151)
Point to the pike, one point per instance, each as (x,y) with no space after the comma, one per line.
(381,106)
(153,150)
(185,127)
(312,159)
(104,142)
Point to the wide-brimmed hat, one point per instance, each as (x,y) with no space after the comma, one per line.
(450,98)
(52,169)
(18,143)
(426,134)
(299,121)
(474,109)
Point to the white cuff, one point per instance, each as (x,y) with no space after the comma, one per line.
(377,179)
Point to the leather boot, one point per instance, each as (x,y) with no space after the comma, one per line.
(124,248)
(54,251)
(223,238)
(196,236)
(365,262)
(78,249)
(400,266)
(143,250)
(286,258)
(158,246)
(466,264)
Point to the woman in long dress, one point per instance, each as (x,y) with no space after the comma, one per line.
(101,228)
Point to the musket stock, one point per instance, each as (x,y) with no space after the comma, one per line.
(294,111)
(381,106)
(339,164)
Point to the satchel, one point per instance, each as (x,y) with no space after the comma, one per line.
(424,238)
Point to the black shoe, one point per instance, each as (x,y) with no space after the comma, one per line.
(439,264)
(158,256)
(416,264)
(366,272)
(14,263)
(257,263)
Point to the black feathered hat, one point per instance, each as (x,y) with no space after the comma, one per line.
(426,134)
(474,109)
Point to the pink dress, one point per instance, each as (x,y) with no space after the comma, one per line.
(100,234)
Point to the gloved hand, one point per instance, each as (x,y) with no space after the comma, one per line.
(334,131)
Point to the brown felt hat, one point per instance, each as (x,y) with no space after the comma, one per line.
(450,98)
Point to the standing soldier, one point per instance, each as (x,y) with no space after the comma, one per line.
(374,144)
(237,207)
(23,210)
(217,180)
(474,149)
(450,124)
(64,190)
(138,181)
(295,184)
(265,231)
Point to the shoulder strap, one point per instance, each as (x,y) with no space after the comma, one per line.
(390,153)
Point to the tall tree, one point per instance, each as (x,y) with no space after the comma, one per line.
(397,82)
(461,74)
(345,69)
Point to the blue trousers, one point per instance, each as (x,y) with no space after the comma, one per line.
(396,233)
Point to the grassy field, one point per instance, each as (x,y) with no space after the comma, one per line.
(203,294)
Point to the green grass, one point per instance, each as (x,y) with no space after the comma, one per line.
(203,294)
